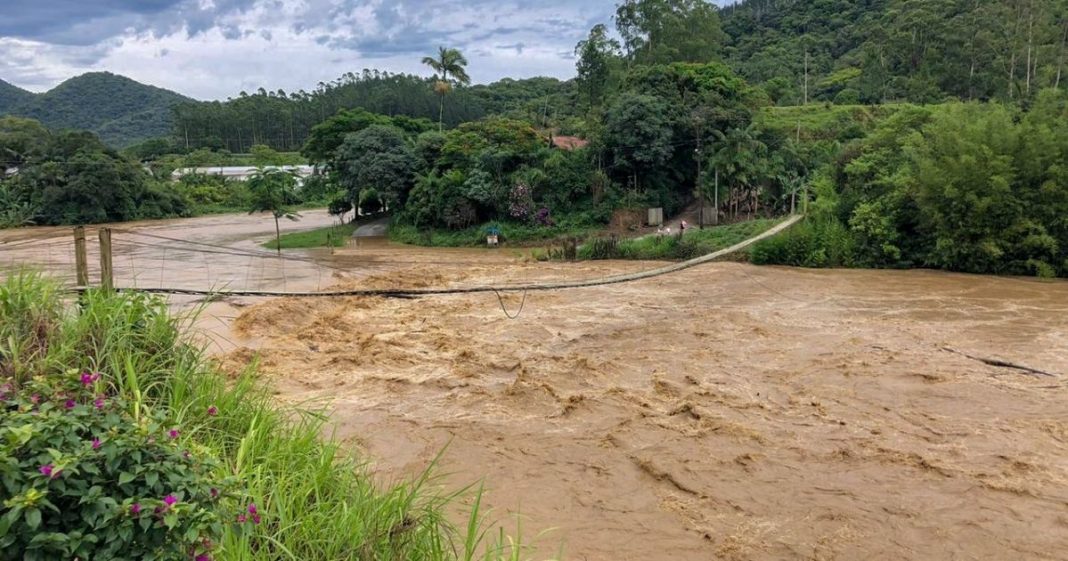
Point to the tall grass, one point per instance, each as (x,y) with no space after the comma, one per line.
(318,502)
(514,234)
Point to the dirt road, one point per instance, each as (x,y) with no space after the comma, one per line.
(725,412)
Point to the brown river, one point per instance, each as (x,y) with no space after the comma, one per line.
(723,412)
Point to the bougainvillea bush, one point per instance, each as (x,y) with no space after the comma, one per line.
(88,476)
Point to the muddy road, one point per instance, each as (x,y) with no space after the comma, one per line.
(724,412)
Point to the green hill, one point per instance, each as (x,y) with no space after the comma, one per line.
(11,96)
(120,110)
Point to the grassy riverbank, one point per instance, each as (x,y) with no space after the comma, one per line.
(512,234)
(317,500)
(336,235)
(695,243)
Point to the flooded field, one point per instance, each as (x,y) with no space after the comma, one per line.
(723,412)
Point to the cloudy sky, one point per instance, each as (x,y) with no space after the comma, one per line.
(213,49)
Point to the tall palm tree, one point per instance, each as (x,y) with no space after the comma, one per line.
(449,63)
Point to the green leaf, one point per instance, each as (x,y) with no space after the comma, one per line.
(33,518)
(170,520)
(5,523)
(125,477)
(151,478)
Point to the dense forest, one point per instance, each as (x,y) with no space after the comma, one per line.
(923,51)
(284,121)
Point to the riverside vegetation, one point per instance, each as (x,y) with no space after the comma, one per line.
(119,435)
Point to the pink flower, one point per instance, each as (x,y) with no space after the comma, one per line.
(98,403)
(252,508)
(35,399)
(213,411)
(255,519)
(203,557)
(46,470)
(96,443)
(135,509)
(70,404)
(169,500)
(173,433)
(88,378)
(241,518)
(214,493)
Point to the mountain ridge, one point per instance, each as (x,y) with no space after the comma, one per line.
(120,110)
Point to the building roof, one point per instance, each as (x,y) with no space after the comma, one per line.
(569,142)
(240,172)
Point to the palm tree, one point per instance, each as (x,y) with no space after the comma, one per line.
(736,156)
(449,63)
(272,190)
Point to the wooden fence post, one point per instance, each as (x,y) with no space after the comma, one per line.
(107,279)
(81,262)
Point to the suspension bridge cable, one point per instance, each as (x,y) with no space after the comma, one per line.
(418,292)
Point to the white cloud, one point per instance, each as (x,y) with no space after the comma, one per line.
(213,49)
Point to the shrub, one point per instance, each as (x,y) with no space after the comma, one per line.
(848,96)
(83,477)
(601,248)
(809,244)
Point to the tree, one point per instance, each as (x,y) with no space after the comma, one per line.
(663,31)
(638,134)
(273,191)
(377,158)
(450,63)
(73,178)
(20,139)
(597,56)
(737,156)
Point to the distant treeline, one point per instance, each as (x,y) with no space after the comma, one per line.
(283,120)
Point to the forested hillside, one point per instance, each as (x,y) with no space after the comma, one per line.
(11,96)
(119,110)
(284,120)
(922,51)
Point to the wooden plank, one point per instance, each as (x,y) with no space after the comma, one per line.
(81,261)
(107,279)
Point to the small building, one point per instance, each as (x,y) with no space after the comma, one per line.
(240,173)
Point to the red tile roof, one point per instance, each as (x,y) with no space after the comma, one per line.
(569,142)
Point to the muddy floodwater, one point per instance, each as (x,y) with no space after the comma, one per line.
(222,251)
(724,412)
